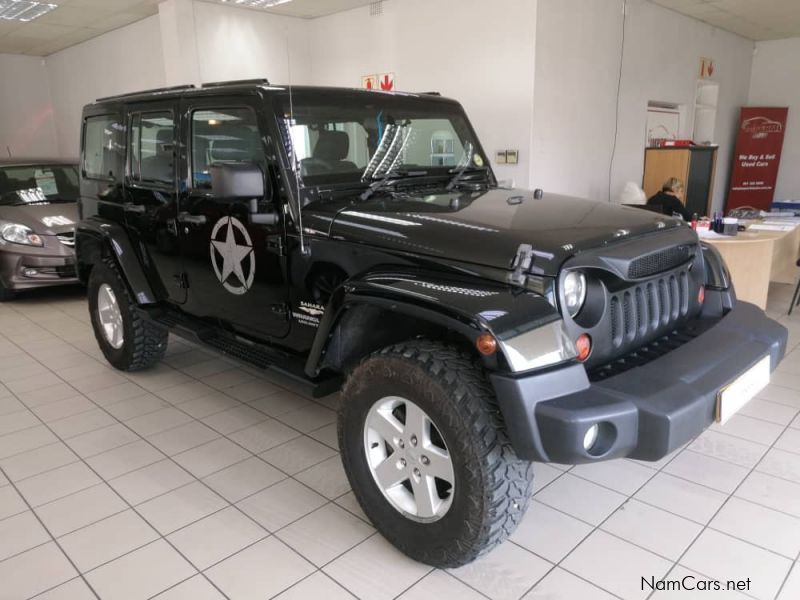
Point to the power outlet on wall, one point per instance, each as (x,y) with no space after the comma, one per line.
(506,157)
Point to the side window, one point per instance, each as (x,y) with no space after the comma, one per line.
(102,147)
(151,147)
(223,135)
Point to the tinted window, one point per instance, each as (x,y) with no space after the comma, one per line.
(102,147)
(223,135)
(152,147)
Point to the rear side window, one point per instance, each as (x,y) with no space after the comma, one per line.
(223,135)
(102,147)
(151,149)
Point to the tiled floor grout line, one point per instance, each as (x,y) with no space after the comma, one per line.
(52,538)
(597,527)
(694,483)
(724,503)
(795,565)
(161,536)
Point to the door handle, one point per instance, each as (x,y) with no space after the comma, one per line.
(135,208)
(185,217)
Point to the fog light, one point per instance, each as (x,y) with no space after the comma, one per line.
(30,272)
(701,294)
(486,344)
(590,438)
(583,345)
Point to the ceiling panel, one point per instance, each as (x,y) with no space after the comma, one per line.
(753,19)
(75,21)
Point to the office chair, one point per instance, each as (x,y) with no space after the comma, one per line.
(796,297)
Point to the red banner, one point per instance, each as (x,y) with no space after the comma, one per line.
(757,156)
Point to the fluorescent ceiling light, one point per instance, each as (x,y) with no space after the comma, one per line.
(24,10)
(255,3)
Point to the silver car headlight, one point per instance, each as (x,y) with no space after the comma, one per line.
(20,234)
(573,288)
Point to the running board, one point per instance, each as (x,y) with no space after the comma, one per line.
(251,353)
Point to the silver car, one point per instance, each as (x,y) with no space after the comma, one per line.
(38,212)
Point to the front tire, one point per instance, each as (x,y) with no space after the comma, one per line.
(424,448)
(129,341)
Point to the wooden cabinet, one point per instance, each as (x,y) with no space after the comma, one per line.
(694,166)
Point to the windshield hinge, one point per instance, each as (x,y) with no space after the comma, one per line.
(522,264)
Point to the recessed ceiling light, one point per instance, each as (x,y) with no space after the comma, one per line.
(255,3)
(24,10)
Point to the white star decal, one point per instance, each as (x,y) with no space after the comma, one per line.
(233,254)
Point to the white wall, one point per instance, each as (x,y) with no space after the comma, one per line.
(776,82)
(27,127)
(577,64)
(124,60)
(235,43)
(480,53)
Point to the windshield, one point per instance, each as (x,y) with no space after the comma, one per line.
(365,137)
(37,184)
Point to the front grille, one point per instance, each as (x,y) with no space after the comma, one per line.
(638,312)
(68,238)
(658,262)
(659,347)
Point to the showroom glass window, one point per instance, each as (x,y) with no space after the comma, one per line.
(223,135)
(103,147)
(152,148)
(362,137)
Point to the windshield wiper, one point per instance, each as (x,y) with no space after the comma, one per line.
(463,165)
(461,174)
(389,178)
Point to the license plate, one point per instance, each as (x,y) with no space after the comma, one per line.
(738,393)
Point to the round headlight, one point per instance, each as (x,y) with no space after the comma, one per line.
(574,289)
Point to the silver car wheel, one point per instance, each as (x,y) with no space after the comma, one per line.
(110,316)
(408,459)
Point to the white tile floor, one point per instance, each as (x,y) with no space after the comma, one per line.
(203,480)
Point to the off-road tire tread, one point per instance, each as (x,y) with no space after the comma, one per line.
(507,481)
(149,339)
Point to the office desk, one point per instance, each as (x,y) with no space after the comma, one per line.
(755,258)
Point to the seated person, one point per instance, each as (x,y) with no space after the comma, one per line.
(670,198)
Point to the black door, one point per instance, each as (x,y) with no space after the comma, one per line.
(150,191)
(235,268)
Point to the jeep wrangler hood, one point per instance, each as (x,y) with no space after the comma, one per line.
(487,227)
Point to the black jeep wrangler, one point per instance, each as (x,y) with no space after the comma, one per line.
(361,238)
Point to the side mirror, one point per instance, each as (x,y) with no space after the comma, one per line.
(237,181)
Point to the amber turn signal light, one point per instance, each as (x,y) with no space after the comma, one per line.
(486,344)
(701,294)
(584,346)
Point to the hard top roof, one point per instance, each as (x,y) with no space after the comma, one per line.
(211,89)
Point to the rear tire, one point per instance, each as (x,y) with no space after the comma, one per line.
(129,341)
(491,487)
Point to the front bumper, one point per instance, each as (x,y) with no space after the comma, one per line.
(28,267)
(645,412)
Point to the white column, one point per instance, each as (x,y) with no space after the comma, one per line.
(179,41)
